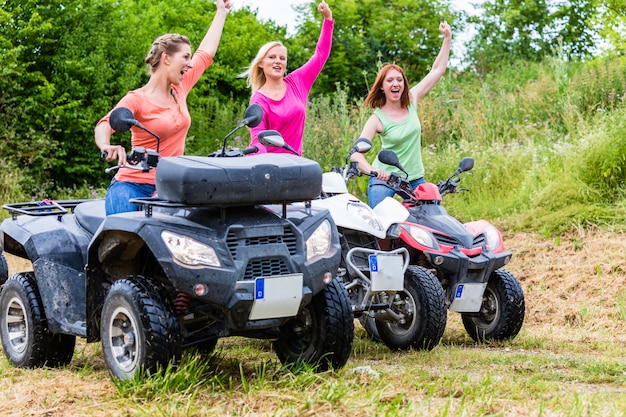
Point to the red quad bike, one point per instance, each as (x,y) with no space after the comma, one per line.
(467,258)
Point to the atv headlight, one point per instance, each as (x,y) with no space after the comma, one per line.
(365,213)
(189,252)
(493,237)
(319,241)
(423,237)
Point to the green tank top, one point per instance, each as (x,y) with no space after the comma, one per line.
(404,139)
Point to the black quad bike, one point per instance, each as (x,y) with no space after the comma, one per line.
(202,261)
(467,258)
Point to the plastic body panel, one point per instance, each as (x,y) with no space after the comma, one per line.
(256,179)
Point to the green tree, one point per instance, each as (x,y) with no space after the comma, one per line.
(27,97)
(532,29)
(368,33)
(67,62)
(613,23)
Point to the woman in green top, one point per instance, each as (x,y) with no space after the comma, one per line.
(395,119)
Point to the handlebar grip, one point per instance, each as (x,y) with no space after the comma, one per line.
(373,174)
(251,149)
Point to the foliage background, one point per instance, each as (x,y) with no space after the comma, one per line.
(538,100)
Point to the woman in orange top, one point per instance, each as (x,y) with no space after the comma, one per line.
(160,106)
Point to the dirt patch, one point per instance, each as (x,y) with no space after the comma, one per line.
(573,280)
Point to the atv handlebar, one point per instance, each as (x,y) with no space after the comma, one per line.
(233,153)
(140,159)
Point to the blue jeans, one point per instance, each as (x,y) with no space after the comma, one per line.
(377,191)
(120,192)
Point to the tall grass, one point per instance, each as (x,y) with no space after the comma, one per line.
(549,140)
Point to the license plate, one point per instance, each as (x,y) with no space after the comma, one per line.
(277,296)
(386,272)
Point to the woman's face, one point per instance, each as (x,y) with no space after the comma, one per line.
(393,84)
(274,63)
(178,64)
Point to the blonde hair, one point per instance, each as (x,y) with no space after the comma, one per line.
(254,75)
(169,43)
(376,97)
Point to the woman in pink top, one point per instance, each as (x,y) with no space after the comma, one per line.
(284,98)
(160,106)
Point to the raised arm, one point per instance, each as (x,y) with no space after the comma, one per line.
(311,69)
(439,66)
(212,38)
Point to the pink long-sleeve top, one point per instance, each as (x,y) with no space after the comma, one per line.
(288,115)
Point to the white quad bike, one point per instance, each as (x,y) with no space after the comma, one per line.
(399,304)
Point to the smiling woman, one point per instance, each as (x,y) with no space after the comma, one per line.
(284,97)
(160,106)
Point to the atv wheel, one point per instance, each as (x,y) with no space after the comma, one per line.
(322,334)
(501,314)
(422,303)
(26,340)
(139,329)
(4,269)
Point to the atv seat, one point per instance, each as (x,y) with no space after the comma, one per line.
(90,214)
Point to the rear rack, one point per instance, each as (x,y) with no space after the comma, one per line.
(149,202)
(42,208)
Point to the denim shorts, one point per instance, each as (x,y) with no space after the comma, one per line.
(377,191)
(120,192)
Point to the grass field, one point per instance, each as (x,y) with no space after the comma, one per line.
(568,360)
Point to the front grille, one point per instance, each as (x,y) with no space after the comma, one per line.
(265,268)
(288,238)
(446,240)
(479,241)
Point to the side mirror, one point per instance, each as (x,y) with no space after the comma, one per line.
(122,119)
(362,145)
(390,158)
(466,164)
(253,116)
(275,139)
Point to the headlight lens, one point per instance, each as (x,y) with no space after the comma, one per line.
(319,241)
(364,212)
(190,252)
(493,237)
(423,237)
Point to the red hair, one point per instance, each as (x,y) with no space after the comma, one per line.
(376,97)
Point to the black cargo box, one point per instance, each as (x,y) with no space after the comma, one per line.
(256,179)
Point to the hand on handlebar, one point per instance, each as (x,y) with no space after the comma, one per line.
(113,152)
(381,174)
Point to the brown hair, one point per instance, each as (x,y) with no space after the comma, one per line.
(169,44)
(376,97)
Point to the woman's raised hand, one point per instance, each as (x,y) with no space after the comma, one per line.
(324,9)
(445,30)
